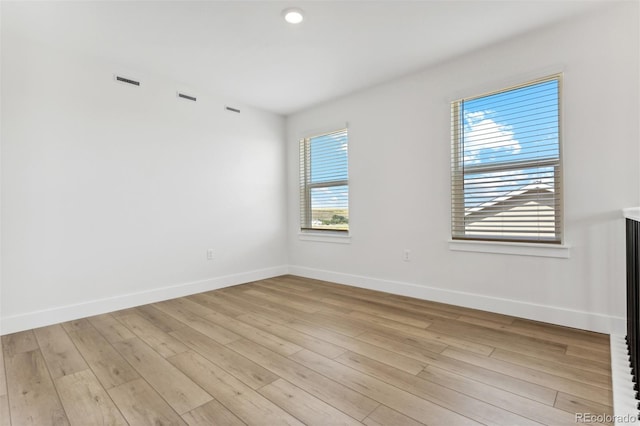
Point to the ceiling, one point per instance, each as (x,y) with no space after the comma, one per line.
(245,51)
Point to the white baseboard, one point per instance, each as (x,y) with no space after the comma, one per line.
(15,323)
(555,315)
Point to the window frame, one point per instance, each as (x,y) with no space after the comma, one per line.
(459,171)
(306,228)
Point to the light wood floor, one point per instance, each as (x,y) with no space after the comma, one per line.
(290,350)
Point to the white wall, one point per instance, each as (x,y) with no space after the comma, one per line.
(399,157)
(111,194)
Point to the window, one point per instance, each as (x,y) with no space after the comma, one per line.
(506,176)
(324,184)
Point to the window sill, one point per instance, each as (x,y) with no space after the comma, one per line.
(325,237)
(518,249)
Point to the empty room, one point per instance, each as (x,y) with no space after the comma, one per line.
(319,212)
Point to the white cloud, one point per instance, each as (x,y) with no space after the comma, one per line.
(482,133)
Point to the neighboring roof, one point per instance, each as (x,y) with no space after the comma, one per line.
(537,192)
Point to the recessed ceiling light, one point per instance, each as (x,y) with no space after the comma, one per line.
(293,15)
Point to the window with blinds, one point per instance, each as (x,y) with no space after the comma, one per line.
(506,165)
(324,182)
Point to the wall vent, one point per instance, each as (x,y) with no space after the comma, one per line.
(187,97)
(228,108)
(126,80)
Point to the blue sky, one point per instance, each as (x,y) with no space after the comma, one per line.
(516,125)
(329,162)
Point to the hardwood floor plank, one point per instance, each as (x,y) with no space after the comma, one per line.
(385,416)
(599,367)
(244,402)
(430,311)
(281,300)
(180,311)
(141,405)
(499,339)
(503,381)
(484,315)
(392,358)
(409,318)
(309,301)
(160,341)
(291,301)
(578,375)
(85,401)
(107,364)
(76,325)
(251,306)
(603,356)
(558,330)
(164,322)
(285,283)
(190,306)
(60,354)
(433,342)
(347,325)
(574,404)
(525,407)
(212,413)
(301,339)
(5,414)
(254,334)
(453,310)
(15,343)
(3,377)
(575,339)
(308,282)
(178,390)
(592,393)
(404,325)
(110,328)
(216,306)
(33,399)
(307,408)
(281,308)
(391,396)
(455,401)
(339,396)
(248,372)
(424,337)
(387,323)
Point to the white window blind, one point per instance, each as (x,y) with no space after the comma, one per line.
(506,165)
(324,182)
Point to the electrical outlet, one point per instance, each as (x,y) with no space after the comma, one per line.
(406,255)
(209,254)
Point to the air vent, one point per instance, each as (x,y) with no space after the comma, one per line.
(187,97)
(126,80)
(228,108)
